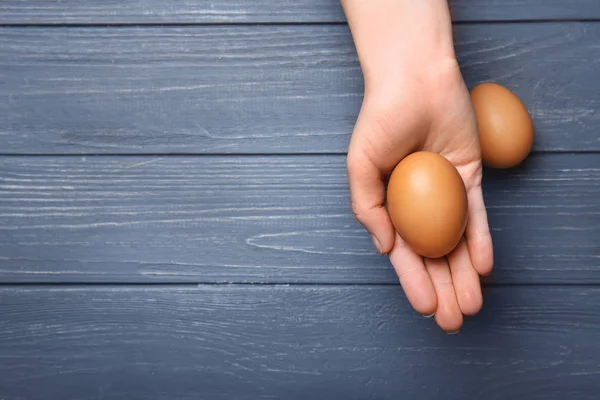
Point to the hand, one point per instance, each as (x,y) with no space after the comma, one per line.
(416,99)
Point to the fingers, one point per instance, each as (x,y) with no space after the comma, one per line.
(368,194)
(413,277)
(465,280)
(479,239)
(448,314)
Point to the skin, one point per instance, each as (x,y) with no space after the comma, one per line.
(416,99)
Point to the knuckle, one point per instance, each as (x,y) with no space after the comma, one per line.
(406,273)
(362,212)
(442,285)
(357,210)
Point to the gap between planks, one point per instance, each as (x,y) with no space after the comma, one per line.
(299,154)
(188,285)
(267,23)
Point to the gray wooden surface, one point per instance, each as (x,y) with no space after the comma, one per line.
(268,89)
(281,342)
(265,219)
(175,220)
(269,11)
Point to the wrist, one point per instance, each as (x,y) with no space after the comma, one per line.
(400,37)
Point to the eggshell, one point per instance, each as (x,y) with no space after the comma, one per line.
(427,202)
(506,131)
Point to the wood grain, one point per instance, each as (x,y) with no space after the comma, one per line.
(257,11)
(293,343)
(265,219)
(273,89)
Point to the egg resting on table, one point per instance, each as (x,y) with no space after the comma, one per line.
(506,131)
(427,202)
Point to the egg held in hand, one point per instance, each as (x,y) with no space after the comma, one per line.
(505,128)
(427,202)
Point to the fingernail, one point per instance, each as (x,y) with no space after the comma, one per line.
(453,333)
(428,316)
(376,243)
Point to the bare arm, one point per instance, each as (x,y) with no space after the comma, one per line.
(416,99)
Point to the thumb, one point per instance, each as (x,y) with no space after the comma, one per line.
(367,190)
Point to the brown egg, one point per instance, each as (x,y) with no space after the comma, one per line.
(427,202)
(505,126)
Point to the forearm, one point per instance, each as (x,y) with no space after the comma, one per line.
(392,36)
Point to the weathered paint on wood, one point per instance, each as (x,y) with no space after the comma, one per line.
(269,89)
(265,219)
(256,11)
(295,343)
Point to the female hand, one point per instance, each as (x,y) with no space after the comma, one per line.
(416,99)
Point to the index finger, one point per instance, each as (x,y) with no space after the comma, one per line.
(414,278)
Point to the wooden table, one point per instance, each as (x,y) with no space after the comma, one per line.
(175,223)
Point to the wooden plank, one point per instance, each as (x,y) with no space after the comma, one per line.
(293,342)
(274,89)
(257,11)
(264,219)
